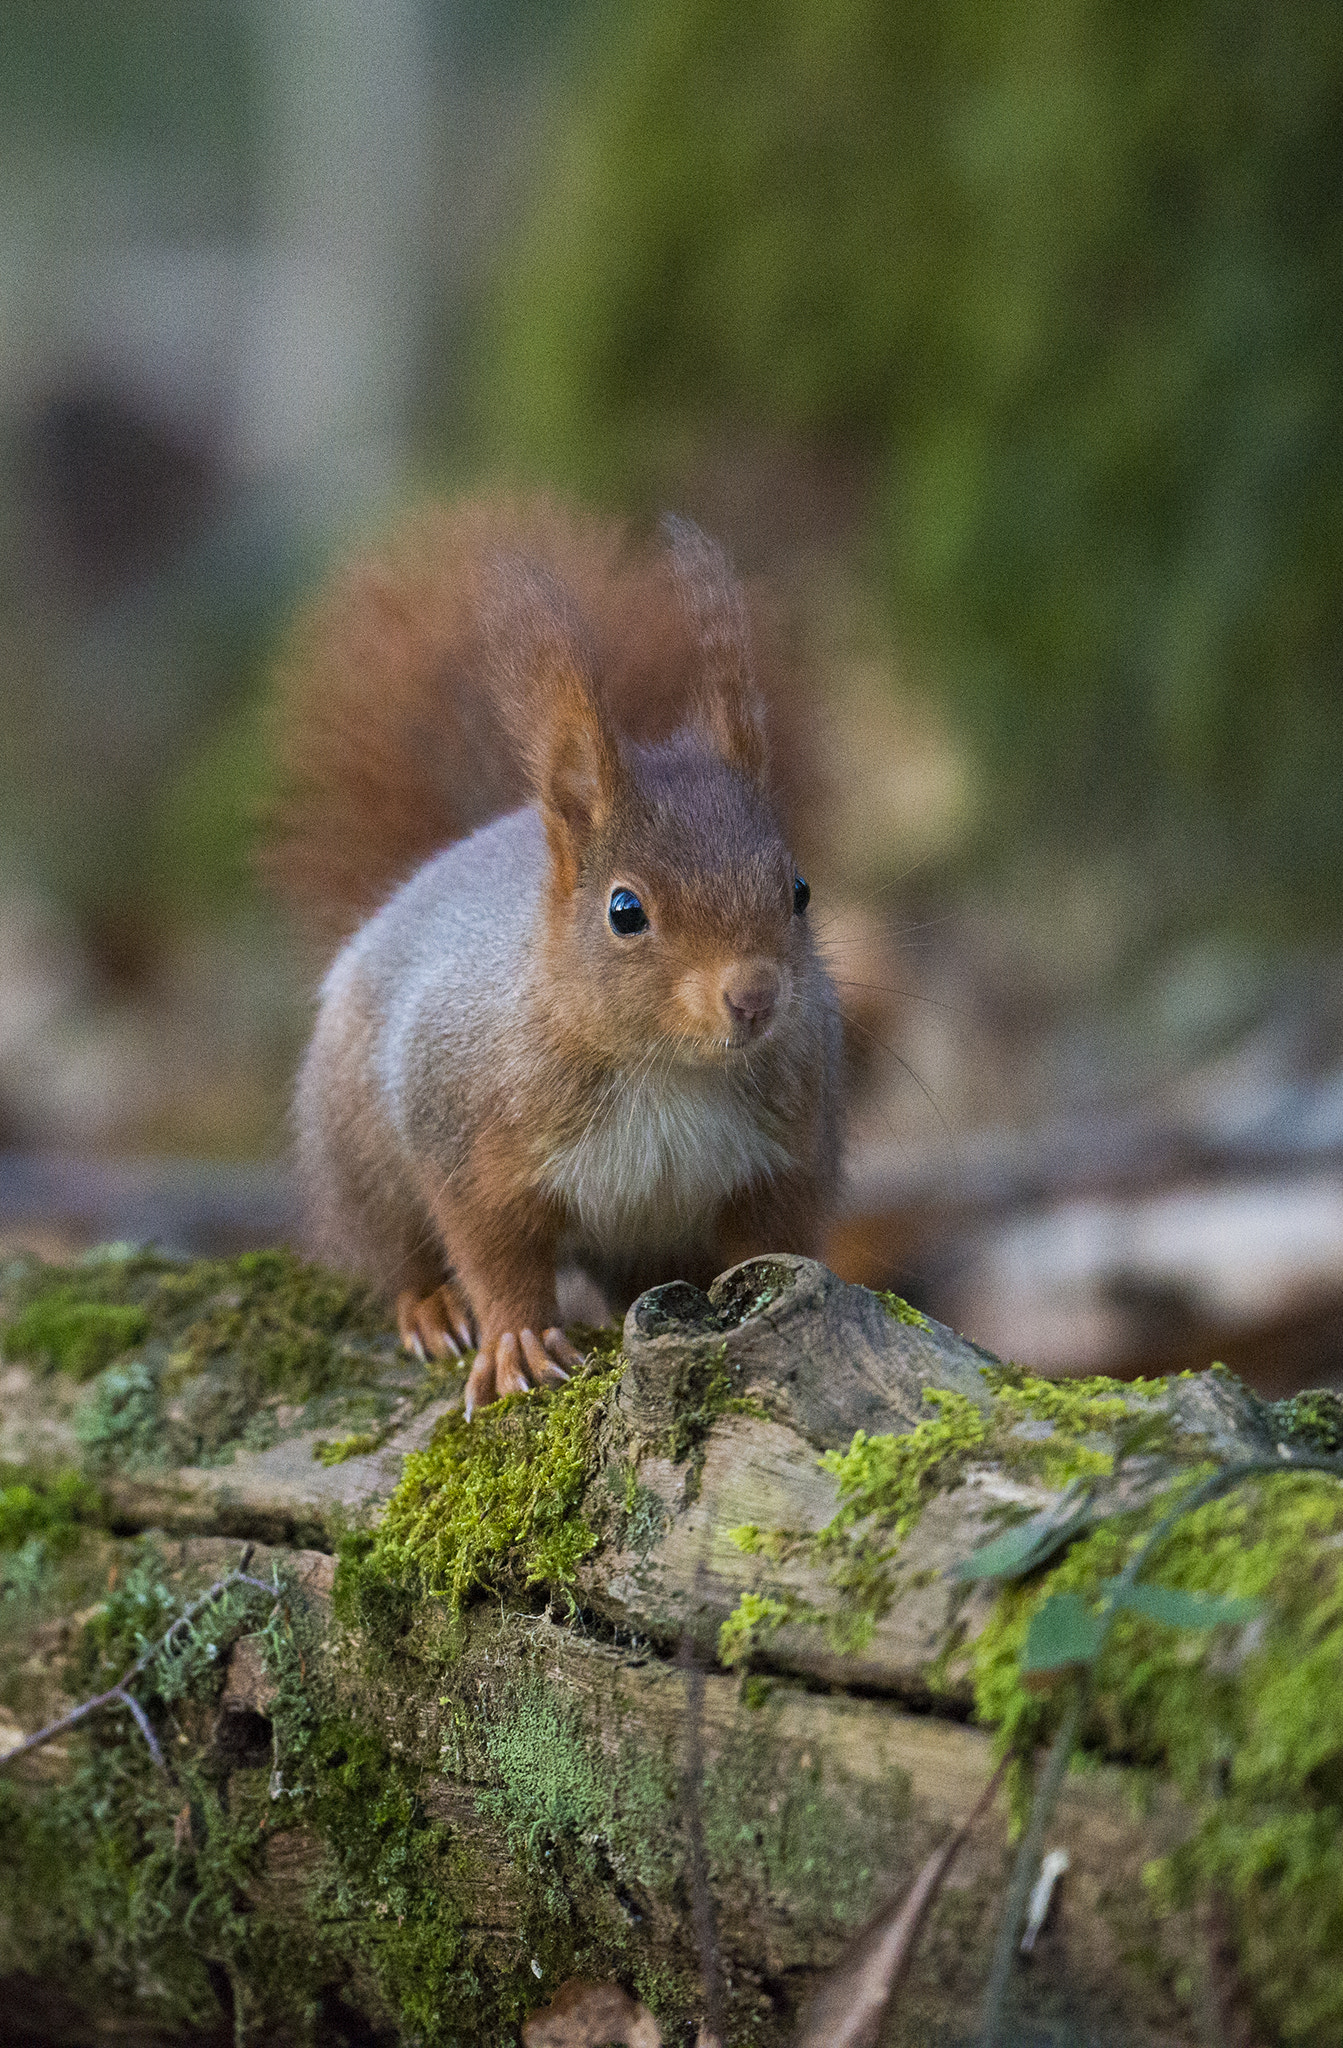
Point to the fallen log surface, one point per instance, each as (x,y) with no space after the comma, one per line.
(440,1769)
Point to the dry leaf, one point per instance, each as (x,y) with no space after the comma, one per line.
(847,2008)
(584,2015)
(182,1828)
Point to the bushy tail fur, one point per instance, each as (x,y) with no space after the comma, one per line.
(393,733)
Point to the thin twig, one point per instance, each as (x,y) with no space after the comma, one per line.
(701,1897)
(141,1719)
(1028,1862)
(119,1693)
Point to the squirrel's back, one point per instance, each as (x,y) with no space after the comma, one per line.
(391,739)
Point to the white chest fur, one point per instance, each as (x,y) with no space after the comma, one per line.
(659,1155)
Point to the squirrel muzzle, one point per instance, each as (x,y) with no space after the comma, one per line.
(735,1003)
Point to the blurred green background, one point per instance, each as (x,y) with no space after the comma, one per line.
(1063,282)
(1042,303)
(1004,339)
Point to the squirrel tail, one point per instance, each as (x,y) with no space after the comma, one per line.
(392,733)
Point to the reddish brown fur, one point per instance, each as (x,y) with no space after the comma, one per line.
(496,658)
(390,735)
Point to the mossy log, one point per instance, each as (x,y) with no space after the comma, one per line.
(444,1766)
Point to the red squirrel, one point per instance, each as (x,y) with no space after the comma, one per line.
(578,1014)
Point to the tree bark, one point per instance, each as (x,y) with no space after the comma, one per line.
(543,1749)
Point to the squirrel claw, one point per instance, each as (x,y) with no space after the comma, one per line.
(516,1363)
(509,1377)
(538,1364)
(562,1352)
(437,1326)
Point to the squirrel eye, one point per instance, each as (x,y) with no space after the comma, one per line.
(801,894)
(626,913)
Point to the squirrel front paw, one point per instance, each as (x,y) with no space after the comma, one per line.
(515,1362)
(436,1325)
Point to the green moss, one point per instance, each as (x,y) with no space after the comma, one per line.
(154,1902)
(40,1524)
(339,1449)
(132,1890)
(589,1806)
(892,1477)
(499,1500)
(884,1484)
(770,1813)
(195,1358)
(75,1336)
(896,1305)
(144,1897)
(368,1599)
(592,1809)
(698,1392)
(754,1619)
(54,1509)
(1048,1432)
(1248,1722)
(588,1815)
(108,1873)
(290,1325)
(1056,1431)
(385,1901)
(392,1882)
(122,1423)
(567,1802)
(100,1895)
(282,1317)
(1313,1420)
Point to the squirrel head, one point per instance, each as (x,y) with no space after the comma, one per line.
(675,911)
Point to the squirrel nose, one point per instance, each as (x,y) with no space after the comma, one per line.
(751,995)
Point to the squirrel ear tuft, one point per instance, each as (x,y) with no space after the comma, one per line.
(571,751)
(730,708)
(578,769)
